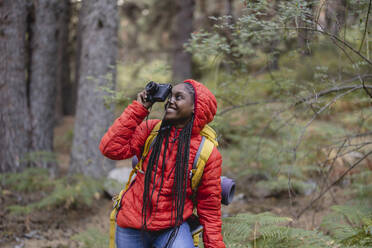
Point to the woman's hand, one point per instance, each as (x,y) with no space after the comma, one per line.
(141,98)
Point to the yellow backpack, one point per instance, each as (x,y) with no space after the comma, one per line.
(204,151)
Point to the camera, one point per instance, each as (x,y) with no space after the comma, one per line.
(157,92)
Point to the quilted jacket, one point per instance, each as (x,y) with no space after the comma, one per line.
(126,138)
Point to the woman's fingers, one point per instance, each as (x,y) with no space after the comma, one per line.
(141,97)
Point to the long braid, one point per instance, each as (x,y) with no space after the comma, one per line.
(180,179)
(180,175)
(164,131)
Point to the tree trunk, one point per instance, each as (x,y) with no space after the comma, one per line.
(97,69)
(14,119)
(69,90)
(181,31)
(335,16)
(63,57)
(43,82)
(203,20)
(230,11)
(304,35)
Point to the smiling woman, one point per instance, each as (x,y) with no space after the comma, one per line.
(180,106)
(155,208)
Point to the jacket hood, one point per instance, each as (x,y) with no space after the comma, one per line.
(205,105)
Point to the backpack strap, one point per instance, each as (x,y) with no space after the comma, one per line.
(148,144)
(205,149)
(117,199)
(210,134)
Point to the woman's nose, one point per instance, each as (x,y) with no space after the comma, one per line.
(171,100)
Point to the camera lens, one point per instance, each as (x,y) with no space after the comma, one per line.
(151,88)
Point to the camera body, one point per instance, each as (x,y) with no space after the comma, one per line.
(157,92)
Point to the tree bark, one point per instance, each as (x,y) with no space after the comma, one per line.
(181,33)
(69,91)
(43,81)
(97,69)
(230,11)
(335,16)
(63,57)
(14,119)
(304,35)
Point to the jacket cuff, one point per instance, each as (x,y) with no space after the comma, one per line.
(136,111)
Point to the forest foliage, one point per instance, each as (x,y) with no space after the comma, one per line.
(294,93)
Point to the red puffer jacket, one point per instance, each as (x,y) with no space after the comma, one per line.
(127,136)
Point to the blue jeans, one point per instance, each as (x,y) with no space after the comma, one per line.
(134,238)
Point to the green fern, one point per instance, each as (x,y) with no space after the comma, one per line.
(282,236)
(269,230)
(350,225)
(67,192)
(29,180)
(362,186)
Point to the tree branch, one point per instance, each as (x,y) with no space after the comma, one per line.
(332,90)
(366,26)
(333,184)
(342,42)
(366,88)
(224,111)
(299,141)
(333,37)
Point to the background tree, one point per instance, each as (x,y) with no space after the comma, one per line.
(304,23)
(96,71)
(335,14)
(294,130)
(181,32)
(63,60)
(43,77)
(285,104)
(15,120)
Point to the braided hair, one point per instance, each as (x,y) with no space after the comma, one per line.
(180,175)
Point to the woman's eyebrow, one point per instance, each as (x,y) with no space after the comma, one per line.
(178,92)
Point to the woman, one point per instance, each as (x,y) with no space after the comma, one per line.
(156,206)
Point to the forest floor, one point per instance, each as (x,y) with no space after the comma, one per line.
(55,228)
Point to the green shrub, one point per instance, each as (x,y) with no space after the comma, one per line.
(31,179)
(66,192)
(266,230)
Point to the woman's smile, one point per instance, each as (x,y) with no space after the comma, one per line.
(171,109)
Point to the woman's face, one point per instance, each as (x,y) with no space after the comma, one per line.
(180,106)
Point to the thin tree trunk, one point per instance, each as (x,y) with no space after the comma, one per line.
(14,119)
(304,36)
(181,60)
(63,56)
(43,82)
(230,11)
(69,91)
(335,16)
(204,21)
(97,69)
